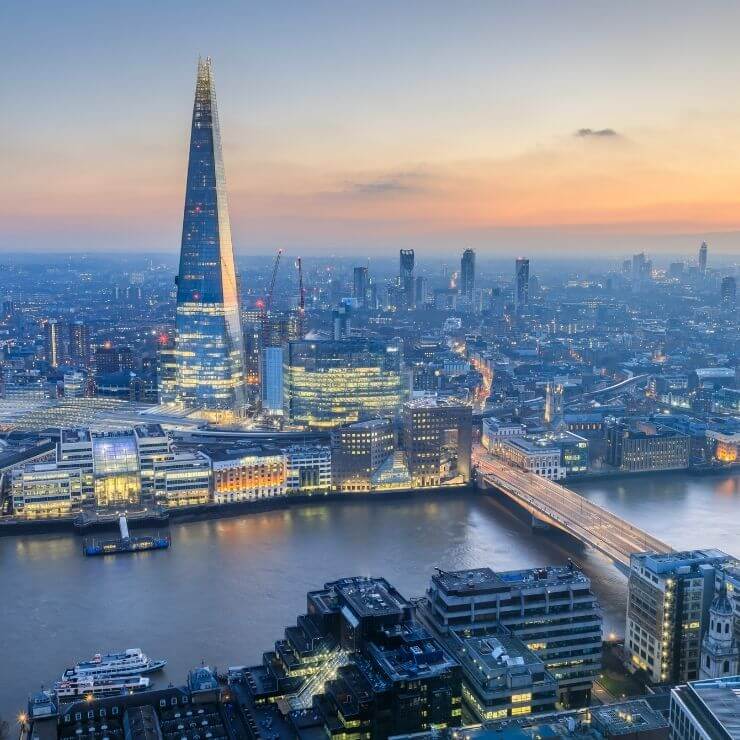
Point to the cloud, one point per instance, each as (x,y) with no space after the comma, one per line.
(389,184)
(583,133)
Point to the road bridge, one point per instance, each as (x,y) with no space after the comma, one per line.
(557,506)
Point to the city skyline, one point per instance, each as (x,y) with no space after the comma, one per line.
(623,143)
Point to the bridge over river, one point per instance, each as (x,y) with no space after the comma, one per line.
(552,504)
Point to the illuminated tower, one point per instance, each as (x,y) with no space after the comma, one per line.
(406,276)
(209,344)
(467,276)
(521,284)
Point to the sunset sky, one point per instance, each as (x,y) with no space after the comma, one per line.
(369,126)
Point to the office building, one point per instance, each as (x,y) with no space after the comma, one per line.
(467,277)
(495,432)
(110,359)
(406,277)
(552,610)
(703,253)
(271,380)
(75,384)
(309,469)
(501,676)
(668,611)
(330,383)
(643,446)
(728,291)
(356,664)
(54,348)
(182,479)
(538,455)
(521,284)
(357,452)
(79,344)
(437,440)
(209,343)
(166,374)
(360,286)
(248,475)
(421,292)
(43,490)
(341,320)
(706,710)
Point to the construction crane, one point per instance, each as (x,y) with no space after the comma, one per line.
(275,266)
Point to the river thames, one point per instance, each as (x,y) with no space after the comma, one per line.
(224,591)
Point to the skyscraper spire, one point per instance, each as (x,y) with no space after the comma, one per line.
(209,345)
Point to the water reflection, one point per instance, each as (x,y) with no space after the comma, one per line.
(227,587)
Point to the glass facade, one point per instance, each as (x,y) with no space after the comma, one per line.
(330,383)
(209,345)
(116,469)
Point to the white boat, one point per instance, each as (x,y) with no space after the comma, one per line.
(72,688)
(131,662)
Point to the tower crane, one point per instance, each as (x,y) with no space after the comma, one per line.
(275,266)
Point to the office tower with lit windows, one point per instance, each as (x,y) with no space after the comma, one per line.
(437,439)
(703,254)
(209,344)
(406,277)
(358,450)
(360,286)
(54,343)
(329,383)
(79,343)
(728,292)
(552,610)
(271,380)
(467,276)
(670,595)
(521,284)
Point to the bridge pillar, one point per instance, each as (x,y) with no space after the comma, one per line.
(539,526)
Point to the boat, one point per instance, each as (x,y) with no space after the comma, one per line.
(125,543)
(132,662)
(72,688)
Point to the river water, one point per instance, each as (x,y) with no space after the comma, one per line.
(226,588)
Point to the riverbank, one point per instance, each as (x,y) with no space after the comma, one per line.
(204,512)
(597,475)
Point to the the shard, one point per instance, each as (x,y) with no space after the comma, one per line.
(209,345)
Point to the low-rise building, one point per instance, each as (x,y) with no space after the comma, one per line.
(706,710)
(182,479)
(309,469)
(644,446)
(43,490)
(248,475)
(536,455)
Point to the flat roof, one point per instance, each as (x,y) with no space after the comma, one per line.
(626,718)
(721,698)
(481,579)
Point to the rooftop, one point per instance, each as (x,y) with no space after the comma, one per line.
(626,718)
(482,579)
(720,698)
(672,561)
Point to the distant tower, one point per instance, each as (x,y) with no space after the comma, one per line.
(467,276)
(521,284)
(703,258)
(720,655)
(728,291)
(360,286)
(406,276)
(53,343)
(79,343)
(209,344)
(554,405)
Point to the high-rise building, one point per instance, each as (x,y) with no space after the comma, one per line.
(271,380)
(706,710)
(668,611)
(54,343)
(330,383)
(406,276)
(467,276)
(79,343)
(360,286)
(209,344)
(437,438)
(552,610)
(728,291)
(703,250)
(358,450)
(521,284)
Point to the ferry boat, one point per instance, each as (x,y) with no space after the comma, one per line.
(132,662)
(72,688)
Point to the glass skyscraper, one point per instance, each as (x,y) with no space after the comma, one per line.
(209,345)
